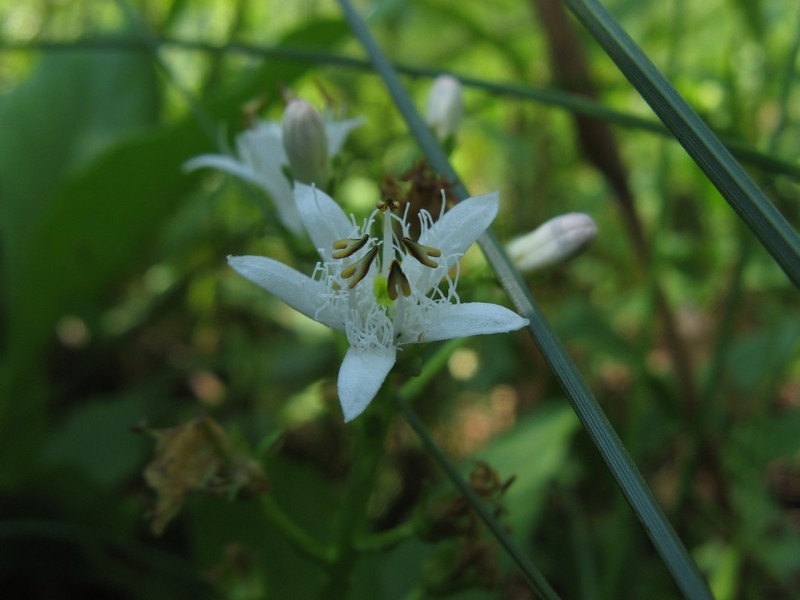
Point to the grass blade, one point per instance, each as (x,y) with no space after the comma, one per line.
(735,185)
(619,462)
(534,577)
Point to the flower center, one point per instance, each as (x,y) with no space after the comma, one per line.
(382,297)
(392,281)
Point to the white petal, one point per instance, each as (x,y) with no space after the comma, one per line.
(361,376)
(458,229)
(272,181)
(228,164)
(302,293)
(558,240)
(472,318)
(324,219)
(445,106)
(453,234)
(337,132)
(266,141)
(278,189)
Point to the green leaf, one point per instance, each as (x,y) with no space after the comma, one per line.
(545,434)
(755,361)
(97,439)
(92,229)
(74,106)
(525,565)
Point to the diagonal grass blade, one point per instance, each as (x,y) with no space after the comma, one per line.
(644,505)
(735,185)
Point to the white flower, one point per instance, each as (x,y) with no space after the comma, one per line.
(445,106)
(261,157)
(556,241)
(383,292)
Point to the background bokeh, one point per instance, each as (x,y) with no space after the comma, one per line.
(120,318)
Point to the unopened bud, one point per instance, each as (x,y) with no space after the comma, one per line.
(558,240)
(306,143)
(445,106)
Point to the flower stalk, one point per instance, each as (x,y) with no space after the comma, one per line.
(369,451)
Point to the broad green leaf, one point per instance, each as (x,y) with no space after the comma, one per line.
(74,105)
(92,229)
(97,439)
(97,227)
(277,567)
(545,434)
(754,362)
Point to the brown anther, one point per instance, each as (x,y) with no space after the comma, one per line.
(422,253)
(348,246)
(390,204)
(397,279)
(359,269)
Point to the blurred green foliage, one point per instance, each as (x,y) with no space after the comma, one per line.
(118,309)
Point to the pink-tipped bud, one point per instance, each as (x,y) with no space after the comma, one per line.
(445,106)
(306,143)
(558,240)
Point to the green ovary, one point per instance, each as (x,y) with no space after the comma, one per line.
(381,291)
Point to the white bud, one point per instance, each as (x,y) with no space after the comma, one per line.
(445,106)
(306,143)
(558,240)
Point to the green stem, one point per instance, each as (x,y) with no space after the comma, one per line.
(412,388)
(588,581)
(388,538)
(529,570)
(371,429)
(766,161)
(150,40)
(673,553)
(301,540)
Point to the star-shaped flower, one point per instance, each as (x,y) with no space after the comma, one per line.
(262,154)
(385,291)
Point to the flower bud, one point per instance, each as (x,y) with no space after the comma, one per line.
(558,240)
(445,107)
(306,143)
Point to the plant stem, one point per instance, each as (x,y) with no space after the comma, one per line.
(414,387)
(529,570)
(574,103)
(673,553)
(371,429)
(302,541)
(385,539)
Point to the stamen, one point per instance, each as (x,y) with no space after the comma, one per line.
(422,253)
(348,246)
(390,204)
(398,279)
(359,269)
